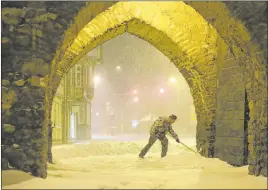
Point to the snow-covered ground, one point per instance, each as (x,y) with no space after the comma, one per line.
(112,164)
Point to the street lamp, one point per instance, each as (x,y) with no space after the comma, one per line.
(136,99)
(162,90)
(118,68)
(172,80)
(96,80)
(134,92)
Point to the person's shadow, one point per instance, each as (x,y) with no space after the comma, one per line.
(10,177)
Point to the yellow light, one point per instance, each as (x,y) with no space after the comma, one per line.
(172,80)
(136,99)
(134,92)
(162,90)
(96,80)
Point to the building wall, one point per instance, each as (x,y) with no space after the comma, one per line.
(56,118)
(76,91)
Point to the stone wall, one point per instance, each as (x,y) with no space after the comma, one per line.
(254,17)
(253,14)
(243,27)
(31,32)
(230,128)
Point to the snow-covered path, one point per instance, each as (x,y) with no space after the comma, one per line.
(115,165)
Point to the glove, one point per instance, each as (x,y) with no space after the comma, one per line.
(178,140)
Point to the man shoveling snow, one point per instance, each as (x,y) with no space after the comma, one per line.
(158,131)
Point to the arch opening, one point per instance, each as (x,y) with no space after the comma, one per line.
(137,85)
(154,87)
(196,63)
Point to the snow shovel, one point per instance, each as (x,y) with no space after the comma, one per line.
(188,147)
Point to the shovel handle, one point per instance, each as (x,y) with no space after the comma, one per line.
(188,147)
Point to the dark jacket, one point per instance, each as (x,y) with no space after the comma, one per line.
(161,127)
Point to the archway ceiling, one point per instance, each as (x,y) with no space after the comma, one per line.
(174,28)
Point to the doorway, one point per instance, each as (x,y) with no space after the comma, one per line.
(73,127)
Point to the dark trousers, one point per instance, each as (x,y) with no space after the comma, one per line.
(152,139)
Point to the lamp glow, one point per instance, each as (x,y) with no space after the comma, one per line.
(134,92)
(96,79)
(136,99)
(172,80)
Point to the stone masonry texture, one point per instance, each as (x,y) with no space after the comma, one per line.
(229,88)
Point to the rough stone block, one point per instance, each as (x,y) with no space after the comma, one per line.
(22,41)
(7,128)
(225,122)
(230,114)
(36,66)
(239,115)
(36,4)
(5,82)
(238,124)
(222,81)
(240,93)
(20,82)
(6,44)
(8,98)
(240,105)
(232,159)
(230,96)
(264,171)
(35,81)
(227,72)
(231,105)
(24,29)
(230,62)
(4,164)
(228,131)
(12,16)
(236,150)
(232,141)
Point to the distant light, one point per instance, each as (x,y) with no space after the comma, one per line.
(97,114)
(172,80)
(118,68)
(134,92)
(162,90)
(135,123)
(96,79)
(136,99)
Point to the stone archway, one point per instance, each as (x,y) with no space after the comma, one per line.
(248,50)
(173,38)
(26,36)
(180,50)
